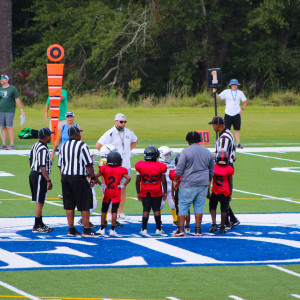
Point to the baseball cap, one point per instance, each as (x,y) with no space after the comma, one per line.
(44,132)
(73,130)
(3,76)
(234,81)
(217,120)
(70,113)
(119,117)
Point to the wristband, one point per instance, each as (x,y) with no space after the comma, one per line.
(93,178)
(49,180)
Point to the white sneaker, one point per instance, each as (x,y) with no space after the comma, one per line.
(112,232)
(143,231)
(159,231)
(187,230)
(122,216)
(101,231)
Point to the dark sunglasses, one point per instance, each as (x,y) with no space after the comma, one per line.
(123,122)
(69,116)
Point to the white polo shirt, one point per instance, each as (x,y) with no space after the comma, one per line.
(232,101)
(122,140)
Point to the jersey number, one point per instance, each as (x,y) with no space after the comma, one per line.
(150,179)
(111,181)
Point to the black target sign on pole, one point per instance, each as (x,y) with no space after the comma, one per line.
(214,78)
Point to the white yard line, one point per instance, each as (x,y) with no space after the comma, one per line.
(295,295)
(267,196)
(20,292)
(284,270)
(235,297)
(266,156)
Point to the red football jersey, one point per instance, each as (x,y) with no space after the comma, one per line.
(150,172)
(172,176)
(112,177)
(220,182)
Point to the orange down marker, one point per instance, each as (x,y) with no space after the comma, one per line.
(55,70)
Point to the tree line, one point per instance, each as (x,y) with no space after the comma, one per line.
(163,45)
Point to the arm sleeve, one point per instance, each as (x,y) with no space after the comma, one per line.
(105,138)
(223,95)
(242,96)
(86,156)
(133,137)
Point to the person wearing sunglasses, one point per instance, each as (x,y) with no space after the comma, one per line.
(124,140)
(9,97)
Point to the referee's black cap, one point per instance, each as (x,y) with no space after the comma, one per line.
(45,132)
(73,130)
(217,121)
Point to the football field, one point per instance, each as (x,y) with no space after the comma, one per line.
(258,259)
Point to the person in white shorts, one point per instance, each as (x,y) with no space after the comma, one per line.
(124,140)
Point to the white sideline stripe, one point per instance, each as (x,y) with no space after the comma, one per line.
(291,160)
(267,196)
(235,297)
(20,292)
(295,295)
(284,270)
(172,298)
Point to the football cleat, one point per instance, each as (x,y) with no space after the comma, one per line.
(112,232)
(88,232)
(198,232)
(222,230)
(234,223)
(213,228)
(101,231)
(143,232)
(42,229)
(73,232)
(159,231)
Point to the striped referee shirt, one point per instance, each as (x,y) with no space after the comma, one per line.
(40,157)
(226,142)
(73,158)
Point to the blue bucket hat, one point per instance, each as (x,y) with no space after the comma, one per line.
(234,81)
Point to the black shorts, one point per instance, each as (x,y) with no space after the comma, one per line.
(233,120)
(151,202)
(114,207)
(38,186)
(215,198)
(77,192)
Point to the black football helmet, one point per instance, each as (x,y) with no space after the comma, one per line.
(222,157)
(114,159)
(151,153)
(177,159)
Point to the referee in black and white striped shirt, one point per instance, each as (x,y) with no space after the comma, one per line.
(75,163)
(40,164)
(226,142)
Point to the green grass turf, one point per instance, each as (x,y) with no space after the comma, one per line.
(166,127)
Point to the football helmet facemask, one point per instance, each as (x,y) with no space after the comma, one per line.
(107,148)
(165,154)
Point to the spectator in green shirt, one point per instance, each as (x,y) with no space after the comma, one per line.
(9,96)
(62,111)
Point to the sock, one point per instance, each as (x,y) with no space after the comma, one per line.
(38,221)
(113,227)
(173,213)
(145,222)
(102,227)
(158,222)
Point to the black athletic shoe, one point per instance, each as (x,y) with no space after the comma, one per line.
(213,228)
(179,232)
(227,225)
(118,224)
(88,232)
(42,229)
(175,223)
(222,230)
(198,232)
(73,232)
(234,223)
(239,146)
(80,222)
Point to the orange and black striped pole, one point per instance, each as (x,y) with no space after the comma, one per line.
(55,70)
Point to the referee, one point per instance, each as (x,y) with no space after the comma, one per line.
(74,162)
(226,142)
(40,164)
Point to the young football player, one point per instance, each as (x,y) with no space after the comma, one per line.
(150,180)
(165,156)
(221,190)
(175,198)
(112,173)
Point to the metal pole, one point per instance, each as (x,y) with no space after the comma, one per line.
(216,111)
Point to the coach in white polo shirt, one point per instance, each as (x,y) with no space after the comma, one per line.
(233,96)
(125,140)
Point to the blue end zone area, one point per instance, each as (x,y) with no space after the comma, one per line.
(259,239)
